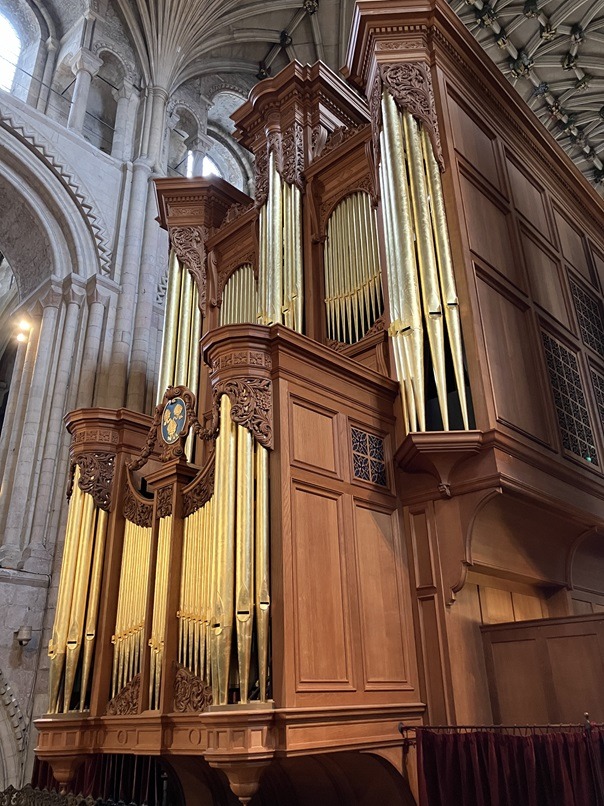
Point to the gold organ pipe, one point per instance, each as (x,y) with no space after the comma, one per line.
(197,588)
(244,556)
(400,360)
(299,267)
(262,316)
(193,369)
(405,265)
(447,277)
(286,307)
(184,330)
(262,572)
(276,243)
(58,643)
(93,601)
(209,589)
(119,616)
(328,271)
(433,313)
(159,609)
(169,341)
(78,606)
(225,545)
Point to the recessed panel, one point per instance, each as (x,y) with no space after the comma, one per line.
(528,199)
(313,437)
(473,142)
(321,611)
(571,243)
(577,667)
(510,347)
(518,683)
(544,278)
(380,599)
(489,232)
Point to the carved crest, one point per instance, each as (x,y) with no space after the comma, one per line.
(191,693)
(252,405)
(125,701)
(410,84)
(189,245)
(96,476)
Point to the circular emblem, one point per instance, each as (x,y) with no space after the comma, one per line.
(173,420)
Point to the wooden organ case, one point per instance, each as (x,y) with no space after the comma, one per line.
(269,567)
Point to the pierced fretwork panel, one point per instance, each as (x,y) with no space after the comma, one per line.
(589,316)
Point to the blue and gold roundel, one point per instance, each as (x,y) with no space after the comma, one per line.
(173,420)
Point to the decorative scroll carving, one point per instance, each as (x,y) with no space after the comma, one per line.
(200,490)
(164,502)
(252,405)
(341,135)
(292,147)
(375,109)
(189,245)
(235,211)
(261,170)
(96,476)
(105,435)
(410,84)
(191,693)
(341,346)
(317,141)
(137,511)
(125,701)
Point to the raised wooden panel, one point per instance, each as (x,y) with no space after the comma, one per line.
(518,683)
(313,435)
(544,279)
(489,232)
(474,143)
(582,608)
(577,666)
(571,243)
(320,586)
(510,353)
(424,566)
(599,264)
(380,598)
(526,607)
(528,199)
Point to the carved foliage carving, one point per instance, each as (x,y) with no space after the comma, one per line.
(261,169)
(189,245)
(410,84)
(341,135)
(252,405)
(137,511)
(164,502)
(125,701)
(200,491)
(96,476)
(191,693)
(292,146)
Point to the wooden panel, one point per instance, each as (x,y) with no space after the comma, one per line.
(320,585)
(424,567)
(518,684)
(496,605)
(526,607)
(544,279)
(509,345)
(571,243)
(313,437)
(468,672)
(527,198)
(489,232)
(577,666)
(474,143)
(380,598)
(599,264)
(582,608)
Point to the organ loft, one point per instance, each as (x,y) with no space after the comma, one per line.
(370,496)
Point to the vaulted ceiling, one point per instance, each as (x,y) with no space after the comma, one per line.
(552,52)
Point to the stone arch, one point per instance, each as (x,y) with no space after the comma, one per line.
(63,236)
(30,28)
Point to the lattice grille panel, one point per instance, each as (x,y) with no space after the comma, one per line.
(368,457)
(597,380)
(569,398)
(589,315)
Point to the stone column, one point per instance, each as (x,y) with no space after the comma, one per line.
(127,98)
(13,397)
(85,65)
(73,298)
(49,66)
(158,100)
(114,389)
(98,299)
(200,146)
(15,504)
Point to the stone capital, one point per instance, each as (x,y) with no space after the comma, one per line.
(74,289)
(86,60)
(200,144)
(100,289)
(126,90)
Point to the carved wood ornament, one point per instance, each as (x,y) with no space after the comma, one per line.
(191,693)
(125,701)
(252,405)
(200,490)
(96,477)
(137,511)
(189,245)
(410,84)
(287,146)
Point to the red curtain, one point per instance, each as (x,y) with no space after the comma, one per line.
(518,767)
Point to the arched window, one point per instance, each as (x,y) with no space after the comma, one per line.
(210,168)
(11,49)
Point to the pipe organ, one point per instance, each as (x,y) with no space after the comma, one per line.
(228,596)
